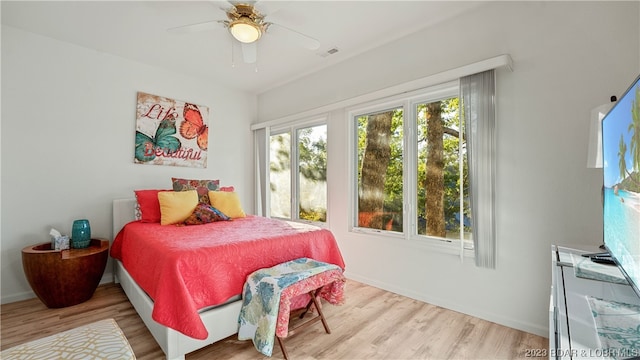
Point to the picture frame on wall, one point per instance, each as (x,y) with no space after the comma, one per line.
(170,132)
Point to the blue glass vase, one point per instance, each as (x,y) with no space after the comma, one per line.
(80,234)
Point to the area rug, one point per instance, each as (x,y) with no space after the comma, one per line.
(101,340)
(618,327)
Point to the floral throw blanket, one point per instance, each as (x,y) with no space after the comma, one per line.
(618,327)
(261,298)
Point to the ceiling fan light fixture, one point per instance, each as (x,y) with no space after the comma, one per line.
(245,30)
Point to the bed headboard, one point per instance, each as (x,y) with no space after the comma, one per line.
(124,211)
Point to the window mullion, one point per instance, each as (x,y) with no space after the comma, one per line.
(264,187)
(410,173)
(461,172)
(295,175)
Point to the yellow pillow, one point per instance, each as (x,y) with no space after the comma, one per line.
(176,206)
(227,202)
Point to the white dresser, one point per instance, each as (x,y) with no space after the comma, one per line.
(572,329)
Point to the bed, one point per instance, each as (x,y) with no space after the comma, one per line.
(197,300)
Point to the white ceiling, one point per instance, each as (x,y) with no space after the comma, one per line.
(137,30)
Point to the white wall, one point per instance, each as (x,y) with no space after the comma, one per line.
(568,58)
(68,132)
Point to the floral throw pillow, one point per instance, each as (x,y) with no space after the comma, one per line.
(201,186)
(204,214)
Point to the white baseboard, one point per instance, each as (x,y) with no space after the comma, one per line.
(26,295)
(447,304)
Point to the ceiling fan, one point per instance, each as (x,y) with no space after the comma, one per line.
(247,25)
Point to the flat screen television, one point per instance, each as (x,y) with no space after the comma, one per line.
(621,180)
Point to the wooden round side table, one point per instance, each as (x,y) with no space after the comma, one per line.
(63,278)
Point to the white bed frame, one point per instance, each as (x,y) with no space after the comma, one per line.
(220,322)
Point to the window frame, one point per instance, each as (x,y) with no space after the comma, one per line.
(293,129)
(408,102)
(352,116)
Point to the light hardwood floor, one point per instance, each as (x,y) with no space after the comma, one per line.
(372,324)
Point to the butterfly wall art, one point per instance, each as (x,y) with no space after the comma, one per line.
(171,132)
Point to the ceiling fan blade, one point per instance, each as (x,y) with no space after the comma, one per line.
(246,2)
(249,52)
(294,36)
(269,7)
(203,26)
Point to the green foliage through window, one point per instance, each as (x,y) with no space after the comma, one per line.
(310,174)
(439,157)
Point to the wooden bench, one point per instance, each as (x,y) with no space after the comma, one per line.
(304,289)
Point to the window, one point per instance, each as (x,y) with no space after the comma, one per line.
(380,164)
(298,173)
(280,175)
(442,177)
(411,164)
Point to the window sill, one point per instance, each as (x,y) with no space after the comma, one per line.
(440,246)
(435,245)
(306,222)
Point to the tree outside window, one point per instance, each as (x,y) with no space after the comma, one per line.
(280,175)
(441,170)
(380,159)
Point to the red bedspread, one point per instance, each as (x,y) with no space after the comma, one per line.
(187,268)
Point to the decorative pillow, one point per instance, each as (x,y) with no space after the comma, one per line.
(202,186)
(176,206)
(204,214)
(148,205)
(137,214)
(227,202)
